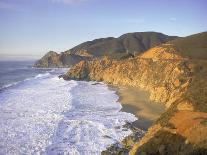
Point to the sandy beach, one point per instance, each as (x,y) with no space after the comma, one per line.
(137,102)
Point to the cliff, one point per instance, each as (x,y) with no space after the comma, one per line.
(116,48)
(65,59)
(175,75)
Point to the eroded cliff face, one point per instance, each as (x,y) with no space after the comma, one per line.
(64,59)
(177,81)
(165,79)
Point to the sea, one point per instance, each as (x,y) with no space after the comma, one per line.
(41,113)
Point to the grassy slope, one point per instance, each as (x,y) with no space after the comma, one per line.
(117,47)
(193,47)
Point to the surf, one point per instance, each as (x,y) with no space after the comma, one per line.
(48,115)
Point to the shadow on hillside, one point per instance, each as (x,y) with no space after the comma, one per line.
(167,143)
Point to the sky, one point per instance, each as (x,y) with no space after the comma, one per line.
(30,28)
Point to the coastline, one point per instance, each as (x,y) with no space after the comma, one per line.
(137,102)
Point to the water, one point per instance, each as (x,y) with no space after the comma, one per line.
(12,72)
(42,114)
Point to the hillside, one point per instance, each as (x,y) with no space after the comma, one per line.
(116,48)
(53,59)
(175,78)
(136,42)
(191,47)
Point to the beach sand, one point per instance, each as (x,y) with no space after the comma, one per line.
(137,102)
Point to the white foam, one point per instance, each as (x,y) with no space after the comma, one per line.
(8,85)
(48,115)
(42,75)
(31,78)
(13,84)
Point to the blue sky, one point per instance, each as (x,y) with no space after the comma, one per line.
(32,27)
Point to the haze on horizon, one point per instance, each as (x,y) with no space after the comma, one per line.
(30,28)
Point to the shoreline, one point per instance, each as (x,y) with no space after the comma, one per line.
(137,102)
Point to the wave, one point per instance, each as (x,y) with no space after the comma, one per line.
(39,76)
(13,84)
(48,68)
(42,75)
(93,122)
(8,85)
(48,115)
(30,114)
(46,73)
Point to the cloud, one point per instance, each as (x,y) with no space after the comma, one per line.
(69,1)
(173,19)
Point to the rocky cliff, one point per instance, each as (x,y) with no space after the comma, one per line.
(65,59)
(175,75)
(116,48)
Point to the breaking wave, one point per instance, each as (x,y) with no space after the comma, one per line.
(48,115)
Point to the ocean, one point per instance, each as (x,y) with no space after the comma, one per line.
(42,114)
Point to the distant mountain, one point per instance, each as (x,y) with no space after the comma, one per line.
(122,47)
(136,42)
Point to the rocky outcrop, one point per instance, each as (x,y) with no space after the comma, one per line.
(125,46)
(175,78)
(65,59)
